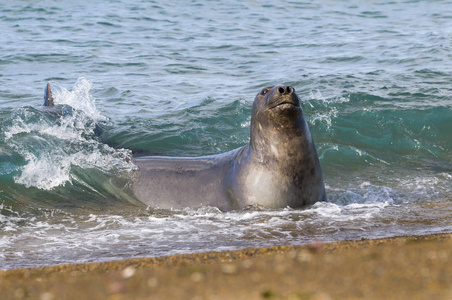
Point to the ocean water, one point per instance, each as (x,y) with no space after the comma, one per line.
(178,78)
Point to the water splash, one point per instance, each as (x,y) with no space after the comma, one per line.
(80,99)
(53,141)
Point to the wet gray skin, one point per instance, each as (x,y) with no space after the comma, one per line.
(278,168)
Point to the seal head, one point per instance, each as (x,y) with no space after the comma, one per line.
(277,115)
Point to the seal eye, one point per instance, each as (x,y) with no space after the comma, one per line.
(264,92)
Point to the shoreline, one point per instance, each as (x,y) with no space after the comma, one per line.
(415,267)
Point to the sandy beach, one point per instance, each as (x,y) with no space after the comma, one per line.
(414,267)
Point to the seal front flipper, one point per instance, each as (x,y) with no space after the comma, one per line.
(48,97)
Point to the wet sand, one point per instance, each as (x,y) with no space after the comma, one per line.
(414,267)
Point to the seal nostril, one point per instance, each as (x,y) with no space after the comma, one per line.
(281,90)
(288,90)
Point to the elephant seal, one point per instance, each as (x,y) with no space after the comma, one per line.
(279,167)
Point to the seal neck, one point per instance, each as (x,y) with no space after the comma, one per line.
(276,143)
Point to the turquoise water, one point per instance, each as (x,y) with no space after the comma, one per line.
(138,78)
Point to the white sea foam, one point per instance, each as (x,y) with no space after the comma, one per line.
(52,149)
(427,186)
(59,237)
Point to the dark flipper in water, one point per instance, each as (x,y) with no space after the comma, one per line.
(48,98)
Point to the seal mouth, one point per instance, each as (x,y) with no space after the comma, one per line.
(286,104)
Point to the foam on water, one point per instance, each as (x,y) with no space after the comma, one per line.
(55,140)
(55,237)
